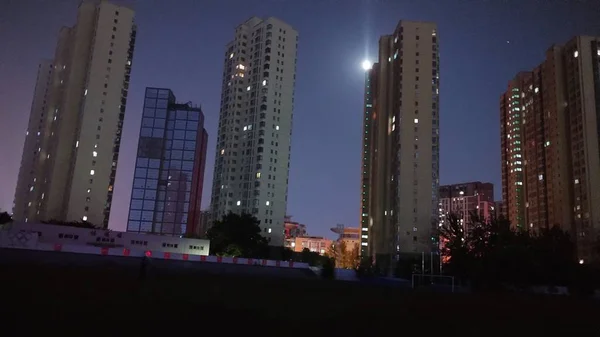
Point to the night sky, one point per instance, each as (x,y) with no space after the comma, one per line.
(180,45)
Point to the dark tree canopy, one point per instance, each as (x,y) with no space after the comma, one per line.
(5,218)
(237,235)
(494,254)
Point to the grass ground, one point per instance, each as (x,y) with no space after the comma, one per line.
(109,300)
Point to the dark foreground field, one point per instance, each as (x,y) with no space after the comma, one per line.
(104,297)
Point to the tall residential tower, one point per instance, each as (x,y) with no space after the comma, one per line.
(400,152)
(255,124)
(550,122)
(72,147)
(169,169)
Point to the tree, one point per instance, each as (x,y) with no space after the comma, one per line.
(354,258)
(238,234)
(454,247)
(5,218)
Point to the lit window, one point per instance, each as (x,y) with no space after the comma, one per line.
(77,144)
(128,63)
(267,203)
(269,230)
(89,190)
(222,151)
(257,174)
(364,244)
(541,177)
(576,181)
(31,189)
(48,157)
(277,127)
(245,128)
(43,196)
(536,90)
(264,82)
(95,154)
(85,92)
(95,146)
(249,87)
(238,202)
(27,133)
(29,204)
(416,120)
(92,172)
(231,56)
(241,66)
(576,54)
(84,218)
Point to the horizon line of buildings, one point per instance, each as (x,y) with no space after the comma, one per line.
(550,145)
(550,148)
(71,150)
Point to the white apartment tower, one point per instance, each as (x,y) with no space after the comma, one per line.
(400,152)
(255,124)
(72,145)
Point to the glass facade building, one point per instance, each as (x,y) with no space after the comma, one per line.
(169,169)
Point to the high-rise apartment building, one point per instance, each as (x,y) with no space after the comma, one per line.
(255,124)
(400,152)
(550,118)
(169,169)
(72,147)
(463,200)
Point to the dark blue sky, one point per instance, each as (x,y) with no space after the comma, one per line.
(180,45)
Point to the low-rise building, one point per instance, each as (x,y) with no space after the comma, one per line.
(29,235)
(316,244)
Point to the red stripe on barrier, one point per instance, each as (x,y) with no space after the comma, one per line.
(264,262)
(249,261)
(235,260)
(203,258)
(58,247)
(126,252)
(186,257)
(167,255)
(219,259)
(291,264)
(148,253)
(104,251)
(278,263)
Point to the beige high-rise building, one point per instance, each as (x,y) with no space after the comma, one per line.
(72,145)
(400,152)
(252,157)
(550,122)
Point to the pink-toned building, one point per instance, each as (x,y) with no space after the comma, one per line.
(466,199)
(316,244)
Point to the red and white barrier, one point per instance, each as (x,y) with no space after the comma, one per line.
(109,251)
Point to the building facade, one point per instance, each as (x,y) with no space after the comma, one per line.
(466,199)
(72,145)
(550,117)
(90,238)
(169,169)
(293,229)
(316,244)
(255,124)
(351,236)
(400,150)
